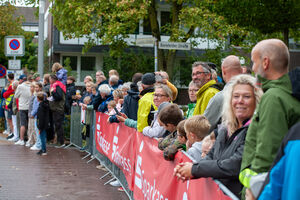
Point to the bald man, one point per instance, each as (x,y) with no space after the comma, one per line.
(231,67)
(277,111)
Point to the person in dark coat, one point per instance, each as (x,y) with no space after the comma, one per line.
(100,80)
(43,120)
(223,161)
(71,91)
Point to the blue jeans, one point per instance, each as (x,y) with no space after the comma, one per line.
(38,137)
(43,139)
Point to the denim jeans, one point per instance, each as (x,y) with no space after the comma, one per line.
(43,139)
(38,137)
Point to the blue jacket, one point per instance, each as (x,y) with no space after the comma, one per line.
(103,106)
(35,107)
(62,75)
(283,179)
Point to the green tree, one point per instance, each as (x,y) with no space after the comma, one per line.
(112,22)
(267,17)
(12,25)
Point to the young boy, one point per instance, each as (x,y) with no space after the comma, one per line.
(42,120)
(180,142)
(207,144)
(169,117)
(196,128)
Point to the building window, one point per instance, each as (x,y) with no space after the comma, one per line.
(165,22)
(147,27)
(88,66)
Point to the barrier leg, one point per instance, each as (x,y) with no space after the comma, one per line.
(92,158)
(110,180)
(102,177)
(86,156)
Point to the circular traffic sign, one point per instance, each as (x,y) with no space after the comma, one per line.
(2,71)
(14,44)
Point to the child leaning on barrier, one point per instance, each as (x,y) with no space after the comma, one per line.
(196,128)
(87,109)
(169,117)
(180,142)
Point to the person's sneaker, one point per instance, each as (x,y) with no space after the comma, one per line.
(35,148)
(20,142)
(121,189)
(41,153)
(60,146)
(27,144)
(10,136)
(14,139)
(5,132)
(115,183)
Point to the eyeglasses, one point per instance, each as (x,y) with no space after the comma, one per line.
(198,73)
(159,95)
(196,90)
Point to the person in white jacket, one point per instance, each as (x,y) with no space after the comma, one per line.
(23,94)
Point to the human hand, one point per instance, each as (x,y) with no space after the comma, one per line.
(121,101)
(121,118)
(249,195)
(74,104)
(183,171)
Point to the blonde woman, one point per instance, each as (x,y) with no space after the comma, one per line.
(223,161)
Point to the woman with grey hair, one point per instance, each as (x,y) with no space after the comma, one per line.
(106,95)
(224,159)
(161,98)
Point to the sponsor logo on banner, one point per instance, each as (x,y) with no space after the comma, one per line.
(148,175)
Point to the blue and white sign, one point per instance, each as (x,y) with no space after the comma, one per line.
(14,46)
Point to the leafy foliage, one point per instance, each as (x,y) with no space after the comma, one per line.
(111,22)
(11,25)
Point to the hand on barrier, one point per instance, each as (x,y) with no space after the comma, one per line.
(183,171)
(122,117)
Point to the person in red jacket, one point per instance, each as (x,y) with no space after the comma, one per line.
(8,95)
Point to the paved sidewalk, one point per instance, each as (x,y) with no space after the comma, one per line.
(61,175)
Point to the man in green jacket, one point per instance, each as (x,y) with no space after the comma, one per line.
(277,111)
(201,76)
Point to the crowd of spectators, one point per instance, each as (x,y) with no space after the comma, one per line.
(231,130)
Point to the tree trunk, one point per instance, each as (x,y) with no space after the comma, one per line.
(170,63)
(156,33)
(286,36)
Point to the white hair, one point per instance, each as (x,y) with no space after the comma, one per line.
(228,117)
(105,88)
(125,86)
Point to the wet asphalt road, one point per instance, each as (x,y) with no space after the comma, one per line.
(61,175)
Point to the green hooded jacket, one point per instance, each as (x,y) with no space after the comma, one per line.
(277,111)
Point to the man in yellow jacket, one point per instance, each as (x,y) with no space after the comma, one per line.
(146,105)
(201,76)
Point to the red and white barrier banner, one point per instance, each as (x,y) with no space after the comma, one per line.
(149,176)
(116,142)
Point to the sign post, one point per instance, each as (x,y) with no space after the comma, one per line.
(14,45)
(14,64)
(174,45)
(2,71)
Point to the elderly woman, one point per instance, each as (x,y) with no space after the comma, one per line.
(224,159)
(106,95)
(162,97)
(193,89)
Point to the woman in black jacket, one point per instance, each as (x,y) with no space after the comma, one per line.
(224,159)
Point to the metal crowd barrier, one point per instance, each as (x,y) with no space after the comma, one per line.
(76,141)
(113,170)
